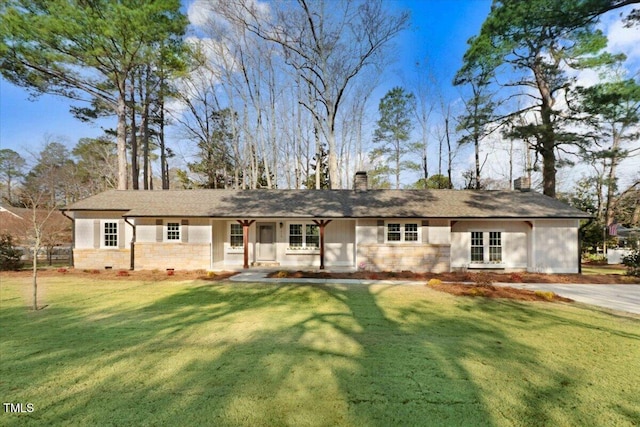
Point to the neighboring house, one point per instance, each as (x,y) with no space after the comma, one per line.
(418,230)
(56,231)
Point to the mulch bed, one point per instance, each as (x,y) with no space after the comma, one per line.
(491,291)
(475,277)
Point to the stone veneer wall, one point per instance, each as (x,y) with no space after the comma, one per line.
(180,256)
(398,257)
(101,258)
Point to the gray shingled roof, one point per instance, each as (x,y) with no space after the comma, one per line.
(454,204)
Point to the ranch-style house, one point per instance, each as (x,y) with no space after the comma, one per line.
(394,230)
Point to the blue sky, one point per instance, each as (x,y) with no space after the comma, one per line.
(439,31)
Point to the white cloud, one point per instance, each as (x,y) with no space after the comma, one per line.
(621,38)
(200,12)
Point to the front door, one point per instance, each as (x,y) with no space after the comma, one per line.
(266,242)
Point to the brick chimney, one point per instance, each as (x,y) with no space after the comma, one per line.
(522,184)
(360,182)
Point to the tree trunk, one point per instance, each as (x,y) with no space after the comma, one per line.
(547,140)
(334,178)
(511,165)
(135,171)
(397,159)
(318,159)
(611,180)
(635,218)
(548,167)
(440,140)
(35,277)
(449,155)
(144,124)
(164,166)
(121,138)
(477,159)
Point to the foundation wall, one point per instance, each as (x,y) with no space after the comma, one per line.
(399,257)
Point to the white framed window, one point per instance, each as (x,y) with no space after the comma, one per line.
(173,231)
(236,236)
(398,231)
(495,246)
(477,246)
(304,236)
(311,236)
(394,232)
(110,234)
(486,247)
(411,232)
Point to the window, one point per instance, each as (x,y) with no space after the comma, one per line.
(411,232)
(393,232)
(486,247)
(477,247)
(495,246)
(312,236)
(295,235)
(236,236)
(111,234)
(304,236)
(173,231)
(402,232)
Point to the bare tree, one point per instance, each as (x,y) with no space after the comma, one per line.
(41,231)
(328,43)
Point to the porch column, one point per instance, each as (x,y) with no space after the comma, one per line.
(245,239)
(322,224)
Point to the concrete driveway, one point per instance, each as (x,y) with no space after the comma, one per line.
(616,297)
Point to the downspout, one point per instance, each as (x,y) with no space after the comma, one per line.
(73,235)
(133,245)
(580,234)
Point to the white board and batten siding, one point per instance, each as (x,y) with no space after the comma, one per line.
(515,246)
(544,246)
(89,226)
(438,232)
(193,230)
(555,246)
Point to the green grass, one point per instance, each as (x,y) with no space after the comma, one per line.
(594,269)
(225,354)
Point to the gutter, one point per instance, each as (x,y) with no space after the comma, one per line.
(73,235)
(580,234)
(132,260)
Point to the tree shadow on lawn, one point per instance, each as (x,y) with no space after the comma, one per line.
(287,355)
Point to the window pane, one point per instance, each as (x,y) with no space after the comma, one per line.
(237,238)
(477,248)
(173,231)
(312,236)
(476,238)
(295,235)
(495,246)
(393,232)
(411,232)
(110,234)
(495,254)
(495,238)
(477,254)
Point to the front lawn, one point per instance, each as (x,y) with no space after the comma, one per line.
(195,352)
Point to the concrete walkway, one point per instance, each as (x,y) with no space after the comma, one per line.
(615,297)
